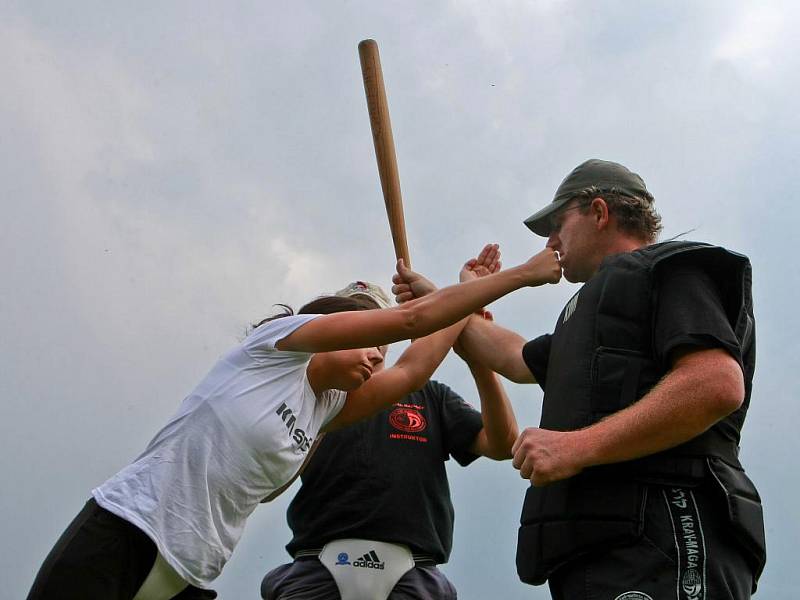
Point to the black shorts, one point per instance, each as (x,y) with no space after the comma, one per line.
(99,557)
(687,552)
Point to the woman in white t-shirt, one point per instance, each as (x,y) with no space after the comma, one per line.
(172,518)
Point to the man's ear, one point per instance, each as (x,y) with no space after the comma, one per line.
(599,210)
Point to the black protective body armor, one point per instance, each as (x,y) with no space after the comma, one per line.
(602,360)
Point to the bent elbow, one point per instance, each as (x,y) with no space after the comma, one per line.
(730,391)
(717,380)
(732,401)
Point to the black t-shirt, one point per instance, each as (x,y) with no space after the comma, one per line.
(689,312)
(384,478)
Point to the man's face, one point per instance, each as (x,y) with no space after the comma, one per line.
(573,236)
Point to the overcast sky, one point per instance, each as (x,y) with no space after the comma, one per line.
(168,171)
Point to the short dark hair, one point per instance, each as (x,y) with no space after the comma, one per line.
(636,215)
(324,305)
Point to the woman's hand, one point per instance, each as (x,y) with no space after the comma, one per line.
(542,268)
(486,263)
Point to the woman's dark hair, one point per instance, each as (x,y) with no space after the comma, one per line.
(324,305)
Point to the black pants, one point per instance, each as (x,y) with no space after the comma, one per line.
(687,552)
(99,557)
(308,579)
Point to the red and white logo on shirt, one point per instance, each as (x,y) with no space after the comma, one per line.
(407,419)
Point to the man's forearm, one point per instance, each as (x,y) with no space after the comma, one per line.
(499,349)
(697,393)
(702,388)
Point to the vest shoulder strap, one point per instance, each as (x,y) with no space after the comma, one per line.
(730,271)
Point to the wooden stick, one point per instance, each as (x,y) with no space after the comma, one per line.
(384,145)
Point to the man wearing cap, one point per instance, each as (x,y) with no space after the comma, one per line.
(375,497)
(637,490)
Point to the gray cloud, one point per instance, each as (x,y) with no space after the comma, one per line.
(169,172)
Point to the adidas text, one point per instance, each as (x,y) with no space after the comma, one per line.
(369,561)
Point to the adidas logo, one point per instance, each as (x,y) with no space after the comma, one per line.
(369,561)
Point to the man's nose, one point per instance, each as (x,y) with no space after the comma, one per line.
(553,241)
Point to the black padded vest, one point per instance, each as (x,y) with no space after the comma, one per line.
(602,360)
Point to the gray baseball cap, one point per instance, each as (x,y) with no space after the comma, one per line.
(602,174)
(370,290)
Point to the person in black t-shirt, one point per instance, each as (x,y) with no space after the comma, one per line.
(637,491)
(384,479)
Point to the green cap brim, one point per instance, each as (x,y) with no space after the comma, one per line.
(539,222)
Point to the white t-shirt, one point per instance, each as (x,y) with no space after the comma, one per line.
(242,433)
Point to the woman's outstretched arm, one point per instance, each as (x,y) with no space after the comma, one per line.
(420,317)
